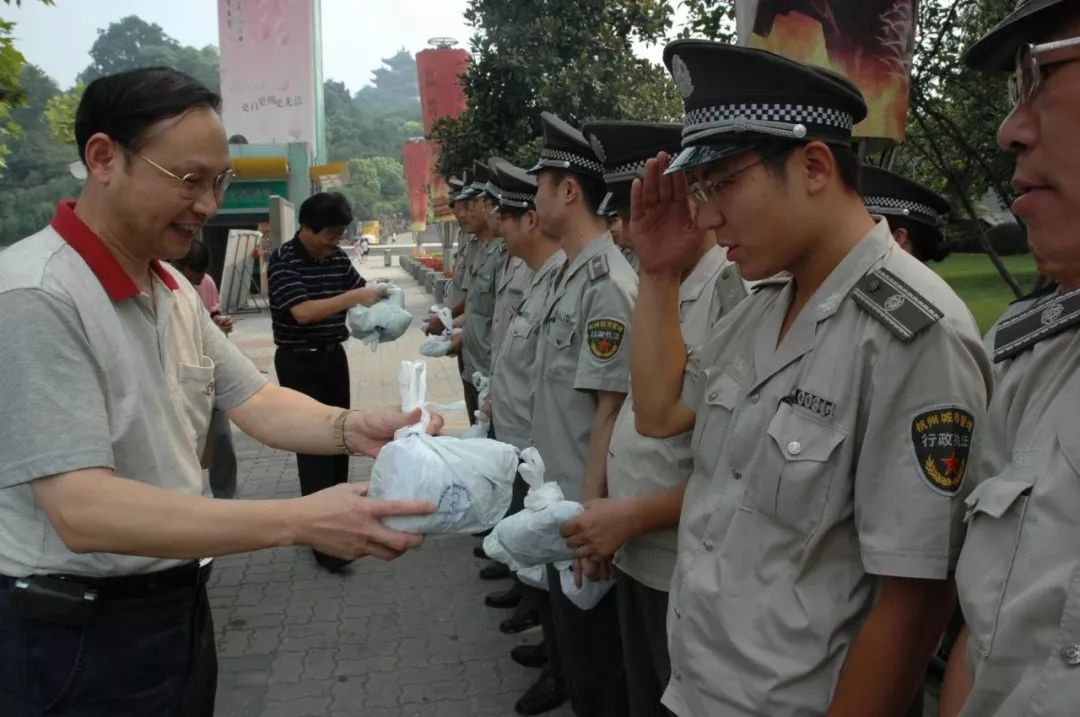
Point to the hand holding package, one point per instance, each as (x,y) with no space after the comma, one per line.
(469,481)
(438,345)
(385,321)
(482,427)
(532,537)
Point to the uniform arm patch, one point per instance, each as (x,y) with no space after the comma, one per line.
(605,338)
(941,439)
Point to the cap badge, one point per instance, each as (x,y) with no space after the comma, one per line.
(681,74)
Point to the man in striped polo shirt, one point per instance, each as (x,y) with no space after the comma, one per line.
(312,284)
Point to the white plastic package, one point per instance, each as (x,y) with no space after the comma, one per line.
(438,345)
(532,537)
(586,597)
(482,427)
(469,481)
(386,321)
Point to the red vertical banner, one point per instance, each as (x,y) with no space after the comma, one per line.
(416,156)
(439,70)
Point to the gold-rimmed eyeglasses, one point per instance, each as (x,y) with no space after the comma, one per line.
(193,185)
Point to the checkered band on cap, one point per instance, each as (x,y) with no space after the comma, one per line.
(561,159)
(625,172)
(777,119)
(518,200)
(902,207)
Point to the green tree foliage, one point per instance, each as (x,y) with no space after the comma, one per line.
(12,93)
(60,114)
(376,188)
(572,57)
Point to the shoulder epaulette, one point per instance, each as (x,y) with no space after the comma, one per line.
(1019,333)
(598,267)
(898,307)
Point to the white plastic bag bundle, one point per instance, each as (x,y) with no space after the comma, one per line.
(534,577)
(469,481)
(532,537)
(482,427)
(438,345)
(386,321)
(586,597)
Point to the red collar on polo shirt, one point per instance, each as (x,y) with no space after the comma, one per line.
(117,284)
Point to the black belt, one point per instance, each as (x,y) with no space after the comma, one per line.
(189,575)
(310,348)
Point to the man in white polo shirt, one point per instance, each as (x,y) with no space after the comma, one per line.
(109,370)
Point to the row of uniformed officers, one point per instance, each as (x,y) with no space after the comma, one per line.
(790,442)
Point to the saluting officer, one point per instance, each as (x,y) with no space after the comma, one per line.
(917,214)
(1019,576)
(647,477)
(832,410)
(581,382)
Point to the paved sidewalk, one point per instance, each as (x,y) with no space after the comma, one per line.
(409,638)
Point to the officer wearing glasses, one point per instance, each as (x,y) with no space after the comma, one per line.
(1019,574)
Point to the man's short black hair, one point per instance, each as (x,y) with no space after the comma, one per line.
(325,209)
(592,189)
(926,244)
(775,156)
(126,104)
(197,260)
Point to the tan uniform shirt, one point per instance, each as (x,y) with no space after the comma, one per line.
(639,465)
(480,307)
(466,252)
(1019,573)
(513,375)
(583,348)
(511,283)
(820,464)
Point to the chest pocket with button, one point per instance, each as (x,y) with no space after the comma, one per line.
(482,294)
(994,515)
(561,358)
(196,384)
(791,470)
(713,417)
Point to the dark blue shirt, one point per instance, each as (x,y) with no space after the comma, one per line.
(295,277)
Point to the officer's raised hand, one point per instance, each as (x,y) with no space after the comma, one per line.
(662,229)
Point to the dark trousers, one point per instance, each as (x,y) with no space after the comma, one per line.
(324,375)
(643,624)
(472,396)
(152,656)
(590,652)
(223,456)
